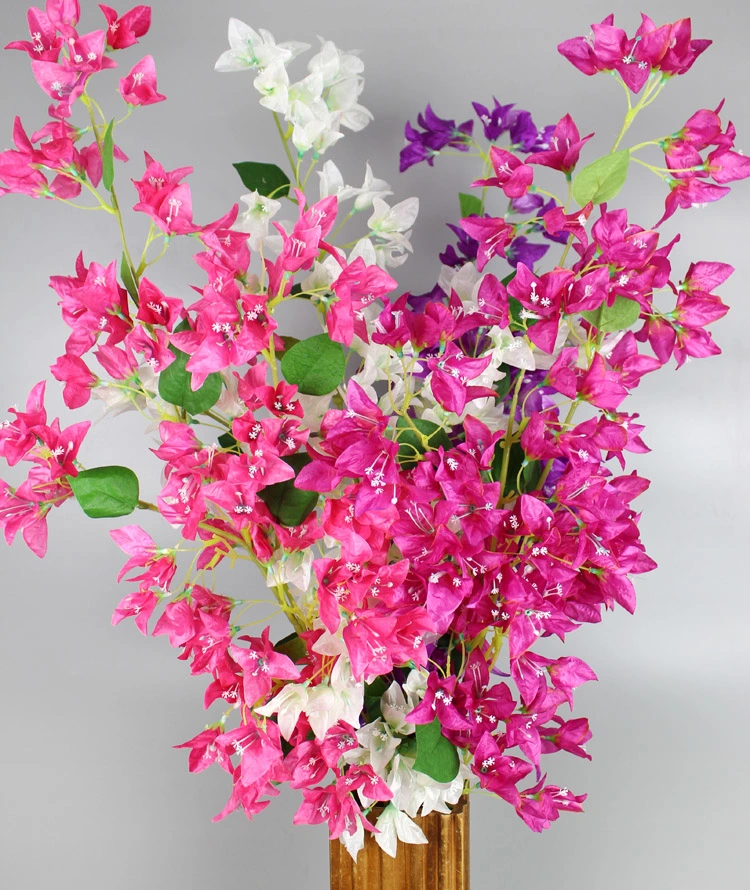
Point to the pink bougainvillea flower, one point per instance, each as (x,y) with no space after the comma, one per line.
(65,81)
(493,235)
(511,174)
(78,379)
(165,198)
(64,15)
(356,287)
(93,304)
(125,30)
(159,562)
(542,298)
(668,48)
(154,308)
(566,147)
(690,191)
(45,42)
(19,436)
(139,86)
(261,665)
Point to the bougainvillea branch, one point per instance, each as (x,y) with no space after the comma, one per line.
(430,485)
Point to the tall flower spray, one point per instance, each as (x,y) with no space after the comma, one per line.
(432,485)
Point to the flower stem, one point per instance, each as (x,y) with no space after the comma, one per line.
(508,440)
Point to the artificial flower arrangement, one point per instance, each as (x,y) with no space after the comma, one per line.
(430,486)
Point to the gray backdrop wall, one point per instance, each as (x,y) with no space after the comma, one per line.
(93,795)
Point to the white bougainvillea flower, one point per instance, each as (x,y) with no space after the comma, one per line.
(256,218)
(394,826)
(415,792)
(510,350)
(393,252)
(293,569)
(332,183)
(465,281)
(394,707)
(273,85)
(344,107)
(288,705)
(309,114)
(377,746)
(391,227)
(386,221)
(335,64)
(255,49)
(354,841)
(371,189)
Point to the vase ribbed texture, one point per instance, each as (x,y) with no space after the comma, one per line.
(442,864)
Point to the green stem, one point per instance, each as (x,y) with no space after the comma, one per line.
(548,465)
(90,103)
(508,440)
(145,505)
(285,143)
(654,86)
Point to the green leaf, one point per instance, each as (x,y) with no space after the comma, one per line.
(104,492)
(292,646)
(266,179)
(410,444)
(289,342)
(227,440)
(127,278)
(470,205)
(503,386)
(530,475)
(373,694)
(436,756)
(174,386)
(603,179)
(288,504)
(315,366)
(516,308)
(108,157)
(622,314)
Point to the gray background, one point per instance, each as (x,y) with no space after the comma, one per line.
(93,796)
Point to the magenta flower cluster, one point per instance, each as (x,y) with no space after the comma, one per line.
(422,535)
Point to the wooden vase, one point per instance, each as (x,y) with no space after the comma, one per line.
(441,864)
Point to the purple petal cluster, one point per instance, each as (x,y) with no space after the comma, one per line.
(517,123)
(436,134)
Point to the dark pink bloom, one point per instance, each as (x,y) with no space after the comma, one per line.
(24,510)
(158,562)
(356,287)
(690,191)
(165,198)
(139,605)
(64,15)
(540,806)
(123,31)
(451,373)
(493,235)
(77,377)
(204,751)
(154,308)
(498,772)
(139,86)
(566,147)
(66,80)
(542,298)
(511,174)
(261,665)
(19,436)
(668,48)
(45,42)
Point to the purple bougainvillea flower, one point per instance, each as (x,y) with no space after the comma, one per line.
(437,133)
